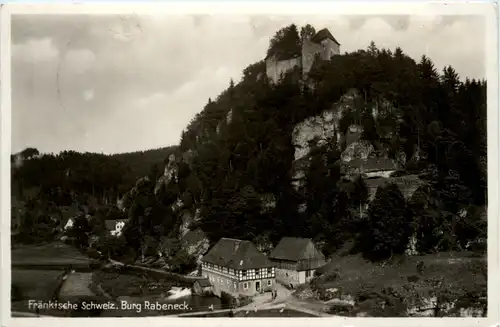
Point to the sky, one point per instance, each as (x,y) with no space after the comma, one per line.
(113,84)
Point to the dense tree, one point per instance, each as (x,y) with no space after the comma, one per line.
(307,32)
(387,228)
(285,44)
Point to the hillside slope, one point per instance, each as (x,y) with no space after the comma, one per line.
(309,157)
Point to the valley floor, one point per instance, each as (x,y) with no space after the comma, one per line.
(350,285)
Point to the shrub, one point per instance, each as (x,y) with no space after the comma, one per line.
(228,300)
(94,254)
(332,276)
(413,278)
(344,310)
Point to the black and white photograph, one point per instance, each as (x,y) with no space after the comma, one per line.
(250,165)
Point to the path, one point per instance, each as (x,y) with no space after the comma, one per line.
(286,299)
(263,301)
(76,284)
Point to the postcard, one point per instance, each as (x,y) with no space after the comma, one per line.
(176,161)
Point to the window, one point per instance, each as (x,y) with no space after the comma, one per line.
(269,270)
(308,273)
(227,283)
(269,283)
(244,273)
(245,286)
(235,286)
(231,271)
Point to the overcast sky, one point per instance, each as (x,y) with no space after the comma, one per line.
(117,84)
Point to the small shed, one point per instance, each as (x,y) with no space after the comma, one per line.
(202,286)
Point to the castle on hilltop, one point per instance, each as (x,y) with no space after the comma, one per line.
(322,45)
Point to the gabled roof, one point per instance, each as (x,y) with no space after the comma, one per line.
(236,254)
(323,34)
(407,184)
(204,282)
(294,249)
(372,164)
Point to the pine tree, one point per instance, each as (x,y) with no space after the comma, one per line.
(388,228)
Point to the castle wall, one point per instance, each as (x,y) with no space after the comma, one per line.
(330,48)
(309,51)
(275,68)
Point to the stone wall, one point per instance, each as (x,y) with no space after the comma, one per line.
(274,68)
(330,48)
(221,282)
(287,276)
(309,51)
(266,285)
(224,283)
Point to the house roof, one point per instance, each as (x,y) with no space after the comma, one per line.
(372,164)
(407,184)
(111,223)
(323,34)
(236,254)
(293,249)
(204,282)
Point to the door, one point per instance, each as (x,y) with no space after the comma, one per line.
(257,286)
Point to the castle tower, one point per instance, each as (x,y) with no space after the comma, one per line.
(322,44)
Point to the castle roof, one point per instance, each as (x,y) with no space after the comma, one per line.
(236,254)
(323,34)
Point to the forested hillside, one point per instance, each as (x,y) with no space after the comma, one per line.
(44,186)
(233,174)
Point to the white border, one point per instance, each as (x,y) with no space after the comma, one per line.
(489,11)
